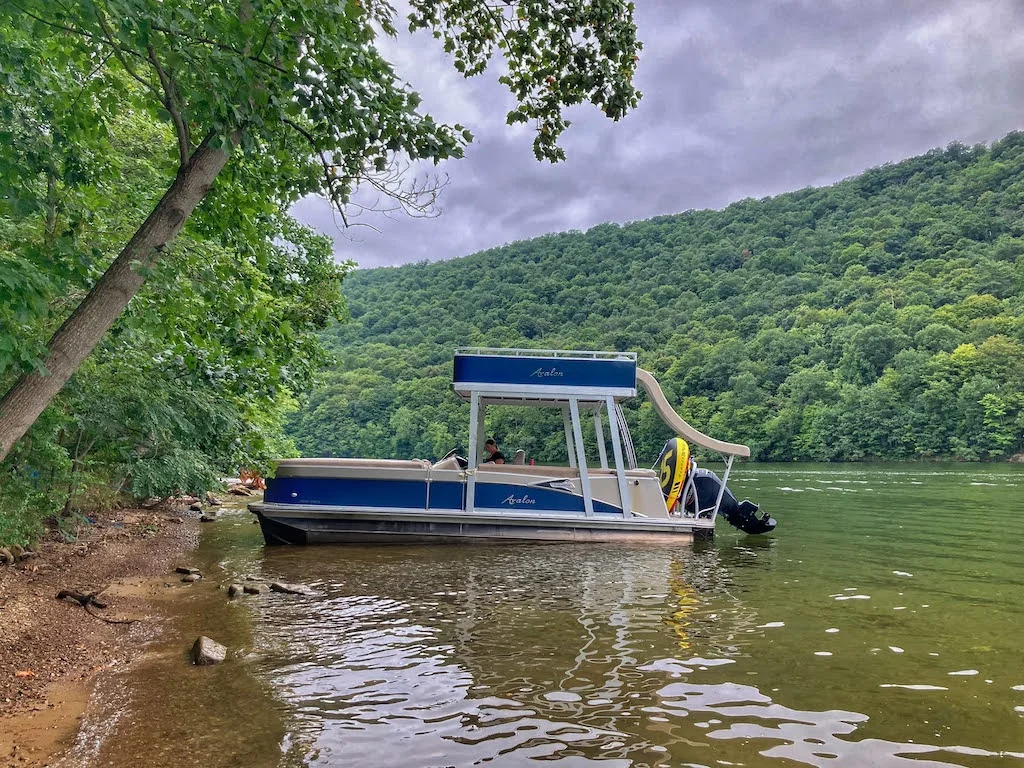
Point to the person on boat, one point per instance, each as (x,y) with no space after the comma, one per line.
(494,456)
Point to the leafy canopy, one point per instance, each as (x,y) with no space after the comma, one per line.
(195,379)
(268,71)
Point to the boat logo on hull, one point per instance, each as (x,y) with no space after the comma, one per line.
(545,373)
(513,500)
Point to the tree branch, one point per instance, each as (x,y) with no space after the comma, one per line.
(266,37)
(90,76)
(119,53)
(221,46)
(54,25)
(170,99)
(328,167)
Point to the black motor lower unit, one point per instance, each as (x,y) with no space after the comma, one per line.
(739,514)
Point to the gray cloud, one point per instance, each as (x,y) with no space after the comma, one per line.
(742,98)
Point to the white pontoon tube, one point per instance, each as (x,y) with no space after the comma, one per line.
(743,516)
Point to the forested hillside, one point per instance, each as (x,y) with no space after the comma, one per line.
(879,317)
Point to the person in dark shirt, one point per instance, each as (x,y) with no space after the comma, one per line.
(494,456)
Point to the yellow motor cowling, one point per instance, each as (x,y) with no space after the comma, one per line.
(674,465)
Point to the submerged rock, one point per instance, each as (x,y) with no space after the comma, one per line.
(207,517)
(206,651)
(186,570)
(234,590)
(191,578)
(255,589)
(291,589)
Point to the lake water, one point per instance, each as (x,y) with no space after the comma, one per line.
(882,624)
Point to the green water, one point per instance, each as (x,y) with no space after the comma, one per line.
(724,653)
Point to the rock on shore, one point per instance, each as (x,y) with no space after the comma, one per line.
(291,589)
(206,651)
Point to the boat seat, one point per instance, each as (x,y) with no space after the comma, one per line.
(450,463)
(363,463)
(520,457)
(530,469)
(544,470)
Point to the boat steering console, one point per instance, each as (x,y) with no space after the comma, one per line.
(462,461)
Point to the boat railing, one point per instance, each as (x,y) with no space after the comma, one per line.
(578,354)
(627,438)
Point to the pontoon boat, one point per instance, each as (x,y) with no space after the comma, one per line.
(381,500)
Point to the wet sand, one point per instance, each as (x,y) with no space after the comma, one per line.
(52,652)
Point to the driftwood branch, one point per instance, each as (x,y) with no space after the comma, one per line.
(89,601)
(81,598)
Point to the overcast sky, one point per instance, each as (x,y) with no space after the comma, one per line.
(742,98)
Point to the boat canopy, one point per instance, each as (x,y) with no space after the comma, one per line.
(502,375)
(573,381)
(550,377)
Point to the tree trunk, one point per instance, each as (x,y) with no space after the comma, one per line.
(81,332)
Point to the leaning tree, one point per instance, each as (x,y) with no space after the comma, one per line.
(295,96)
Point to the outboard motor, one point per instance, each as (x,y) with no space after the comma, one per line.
(739,514)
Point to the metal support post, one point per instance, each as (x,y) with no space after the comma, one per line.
(569,446)
(481,430)
(581,456)
(721,491)
(620,472)
(474,449)
(599,429)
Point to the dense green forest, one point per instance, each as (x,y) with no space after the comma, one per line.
(195,379)
(880,317)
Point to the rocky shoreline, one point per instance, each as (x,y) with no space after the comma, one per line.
(52,650)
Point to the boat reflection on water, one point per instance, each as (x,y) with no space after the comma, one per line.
(454,656)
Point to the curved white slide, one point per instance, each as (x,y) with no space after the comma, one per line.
(680,427)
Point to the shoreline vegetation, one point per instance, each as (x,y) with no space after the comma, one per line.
(880,318)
